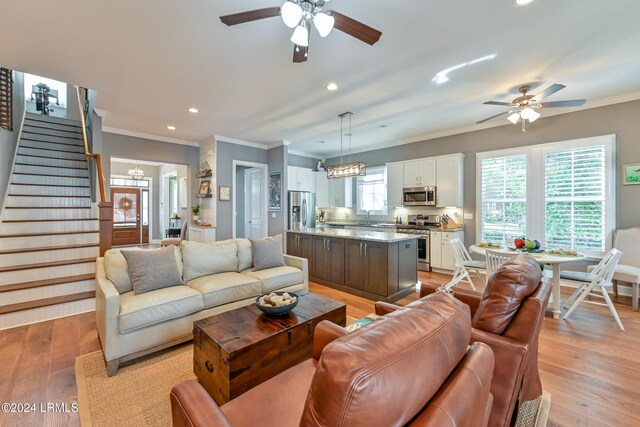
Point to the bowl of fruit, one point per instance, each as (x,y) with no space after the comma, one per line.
(528,245)
(277,303)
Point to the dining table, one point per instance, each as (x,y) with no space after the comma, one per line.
(552,260)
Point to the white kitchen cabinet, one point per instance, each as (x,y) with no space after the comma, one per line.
(340,193)
(300,179)
(441,249)
(395,184)
(449,181)
(419,173)
(322,189)
(202,234)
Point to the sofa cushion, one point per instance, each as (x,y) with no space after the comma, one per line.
(203,259)
(223,288)
(152,269)
(389,370)
(279,277)
(245,254)
(117,269)
(140,311)
(507,287)
(267,252)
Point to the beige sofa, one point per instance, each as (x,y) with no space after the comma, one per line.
(131,325)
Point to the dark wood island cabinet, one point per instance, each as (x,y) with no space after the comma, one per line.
(378,266)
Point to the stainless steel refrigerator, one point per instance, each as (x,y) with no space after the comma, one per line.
(302,210)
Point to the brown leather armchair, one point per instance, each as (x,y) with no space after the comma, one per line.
(516,377)
(413,367)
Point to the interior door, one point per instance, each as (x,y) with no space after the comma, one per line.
(126,216)
(254,203)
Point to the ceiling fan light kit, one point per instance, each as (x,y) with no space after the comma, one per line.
(299,14)
(349,169)
(524,107)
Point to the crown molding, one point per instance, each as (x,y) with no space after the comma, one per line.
(597,103)
(135,162)
(143,135)
(241,142)
(305,154)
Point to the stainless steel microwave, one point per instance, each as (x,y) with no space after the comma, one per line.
(419,196)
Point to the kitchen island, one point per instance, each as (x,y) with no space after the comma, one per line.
(380,266)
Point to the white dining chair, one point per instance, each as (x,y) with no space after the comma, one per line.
(496,258)
(464,265)
(628,270)
(598,280)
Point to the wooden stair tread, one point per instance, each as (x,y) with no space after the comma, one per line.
(48,248)
(76,132)
(46,264)
(50,174)
(12,308)
(63,233)
(47,207)
(52,123)
(50,166)
(52,158)
(51,135)
(46,282)
(57,196)
(52,149)
(50,220)
(51,185)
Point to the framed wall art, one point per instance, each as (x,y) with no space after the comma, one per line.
(631,174)
(275,191)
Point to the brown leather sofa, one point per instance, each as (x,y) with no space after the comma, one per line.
(413,367)
(508,318)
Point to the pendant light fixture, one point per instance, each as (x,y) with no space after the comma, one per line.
(345,170)
(137,173)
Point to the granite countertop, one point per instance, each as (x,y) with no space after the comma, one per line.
(374,236)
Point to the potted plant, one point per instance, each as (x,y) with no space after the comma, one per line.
(196,210)
(175,220)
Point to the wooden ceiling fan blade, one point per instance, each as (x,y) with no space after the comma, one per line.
(494,117)
(300,53)
(355,28)
(252,15)
(570,103)
(548,92)
(504,104)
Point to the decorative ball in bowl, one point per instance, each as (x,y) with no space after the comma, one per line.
(277,303)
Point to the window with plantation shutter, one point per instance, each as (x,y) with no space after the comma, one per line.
(503,199)
(561,193)
(575,198)
(6,99)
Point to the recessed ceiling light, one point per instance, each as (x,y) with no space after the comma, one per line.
(523,2)
(320,142)
(171,127)
(332,86)
(383,126)
(193,110)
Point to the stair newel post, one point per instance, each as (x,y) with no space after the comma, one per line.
(106,225)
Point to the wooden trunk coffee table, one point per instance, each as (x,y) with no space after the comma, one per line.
(236,350)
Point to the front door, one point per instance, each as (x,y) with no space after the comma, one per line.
(126,216)
(254,203)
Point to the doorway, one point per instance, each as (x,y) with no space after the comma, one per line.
(249,218)
(130,205)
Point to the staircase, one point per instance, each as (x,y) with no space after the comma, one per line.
(49,229)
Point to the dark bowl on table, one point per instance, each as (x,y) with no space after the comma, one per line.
(277,311)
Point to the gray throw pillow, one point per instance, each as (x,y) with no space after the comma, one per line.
(267,253)
(153,269)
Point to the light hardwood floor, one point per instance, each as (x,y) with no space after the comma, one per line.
(591,369)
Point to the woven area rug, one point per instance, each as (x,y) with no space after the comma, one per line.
(138,395)
(534,413)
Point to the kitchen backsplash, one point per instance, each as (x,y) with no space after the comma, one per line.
(348,215)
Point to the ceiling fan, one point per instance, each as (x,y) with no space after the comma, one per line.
(524,107)
(299,14)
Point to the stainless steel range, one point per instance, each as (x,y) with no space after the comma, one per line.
(422,226)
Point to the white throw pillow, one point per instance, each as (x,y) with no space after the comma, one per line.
(203,259)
